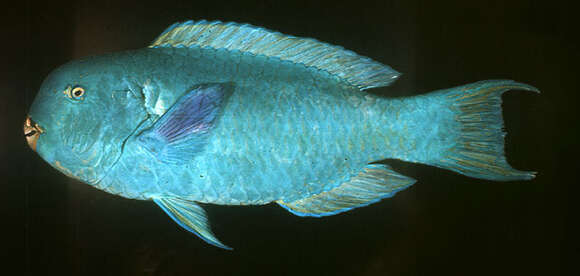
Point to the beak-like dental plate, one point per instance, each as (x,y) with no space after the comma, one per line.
(32,131)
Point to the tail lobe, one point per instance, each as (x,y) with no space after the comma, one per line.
(478,148)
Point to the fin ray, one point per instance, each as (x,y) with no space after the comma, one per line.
(373,183)
(361,72)
(181,132)
(479,143)
(191,217)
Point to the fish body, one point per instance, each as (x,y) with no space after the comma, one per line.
(237,115)
(279,123)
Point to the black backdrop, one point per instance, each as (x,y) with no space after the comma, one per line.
(445,224)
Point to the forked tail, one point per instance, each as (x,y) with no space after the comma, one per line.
(461,129)
(478,150)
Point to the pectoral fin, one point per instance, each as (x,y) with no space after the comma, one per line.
(181,132)
(190,216)
(373,183)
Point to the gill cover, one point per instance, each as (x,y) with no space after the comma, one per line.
(86,113)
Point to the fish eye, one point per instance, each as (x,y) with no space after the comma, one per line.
(75,93)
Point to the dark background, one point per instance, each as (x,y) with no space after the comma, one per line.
(445,224)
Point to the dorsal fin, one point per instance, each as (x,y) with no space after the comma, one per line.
(359,71)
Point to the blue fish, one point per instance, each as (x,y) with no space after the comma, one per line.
(234,114)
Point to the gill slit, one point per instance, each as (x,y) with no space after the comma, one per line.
(140,96)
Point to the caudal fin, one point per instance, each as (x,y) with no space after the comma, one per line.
(477,132)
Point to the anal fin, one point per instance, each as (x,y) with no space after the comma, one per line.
(190,216)
(373,183)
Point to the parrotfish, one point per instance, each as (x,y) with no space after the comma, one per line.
(233,114)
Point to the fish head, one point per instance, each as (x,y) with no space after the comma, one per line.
(81,117)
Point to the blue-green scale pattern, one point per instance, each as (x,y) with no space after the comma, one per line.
(286,132)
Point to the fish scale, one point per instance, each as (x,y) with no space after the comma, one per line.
(235,114)
(248,137)
(298,144)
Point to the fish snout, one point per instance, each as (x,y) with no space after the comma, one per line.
(32,131)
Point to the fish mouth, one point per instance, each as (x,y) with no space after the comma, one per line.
(32,131)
